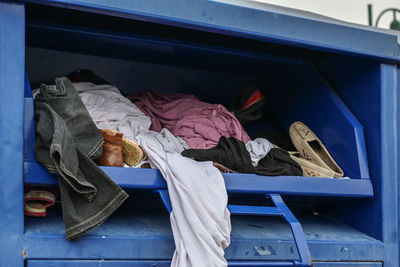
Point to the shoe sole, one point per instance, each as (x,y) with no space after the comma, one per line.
(309,168)
(131,152)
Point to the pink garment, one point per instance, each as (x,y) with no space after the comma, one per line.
(200,124)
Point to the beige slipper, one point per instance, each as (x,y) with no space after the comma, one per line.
(131,151)
(312,149)
(309,168)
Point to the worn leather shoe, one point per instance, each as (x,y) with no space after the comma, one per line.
(132,153)
(112,149)
(312,149)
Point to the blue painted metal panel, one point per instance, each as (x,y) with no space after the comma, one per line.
(358,83)
(164,195)
(354,264)
(235,183)
(398,159)
(93,263)
(82,263)
(245,22)
(370,92)
(358,128)
(129,235)
(148,48)
(254,210)
(29,123)
(255,263)
(12,47)
(390,158)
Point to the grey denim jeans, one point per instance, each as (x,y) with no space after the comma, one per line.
(66,140)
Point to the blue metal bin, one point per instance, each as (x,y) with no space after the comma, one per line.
(341,80)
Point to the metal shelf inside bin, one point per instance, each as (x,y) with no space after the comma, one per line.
(137,178)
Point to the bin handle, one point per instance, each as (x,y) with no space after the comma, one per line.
(297,231)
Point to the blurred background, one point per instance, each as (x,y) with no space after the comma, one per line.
(355,11)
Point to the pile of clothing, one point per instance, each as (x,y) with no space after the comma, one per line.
(83,120)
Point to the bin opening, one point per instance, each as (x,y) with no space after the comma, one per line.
(293,87)
(286,102)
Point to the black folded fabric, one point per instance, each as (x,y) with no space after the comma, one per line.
(233,154)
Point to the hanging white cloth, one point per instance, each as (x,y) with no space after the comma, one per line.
(200,220)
